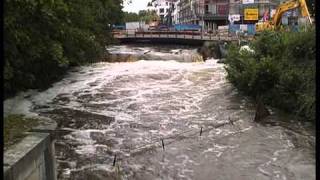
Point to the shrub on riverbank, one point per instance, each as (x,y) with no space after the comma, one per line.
(43,38)
(281,70)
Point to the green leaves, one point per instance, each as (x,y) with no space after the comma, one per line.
(42,38)
(282,70)
(143,15)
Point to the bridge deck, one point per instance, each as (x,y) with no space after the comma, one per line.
(150,35)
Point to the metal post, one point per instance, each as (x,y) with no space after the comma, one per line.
(114,160)
(162,144)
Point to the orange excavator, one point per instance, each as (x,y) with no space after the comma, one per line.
(274,23)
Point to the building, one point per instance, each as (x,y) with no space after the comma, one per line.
(213,13)
(165,9)
(175,14)
(207,13)
(257,8)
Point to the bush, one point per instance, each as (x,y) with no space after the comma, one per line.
(43,38)
(281,70)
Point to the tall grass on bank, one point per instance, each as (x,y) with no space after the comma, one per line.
(281,70)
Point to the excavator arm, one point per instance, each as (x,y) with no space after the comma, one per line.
(289,6)
(282,8)
(304,10)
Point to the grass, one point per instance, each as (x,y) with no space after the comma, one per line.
(15,128)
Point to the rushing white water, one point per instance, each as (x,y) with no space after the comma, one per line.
(126,108)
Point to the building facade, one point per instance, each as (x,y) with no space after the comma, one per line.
(262,8)
(213,13)
(165,9)
(207,13)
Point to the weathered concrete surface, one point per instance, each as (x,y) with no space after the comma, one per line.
(33,157)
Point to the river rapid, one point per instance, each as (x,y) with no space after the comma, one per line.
(149,113)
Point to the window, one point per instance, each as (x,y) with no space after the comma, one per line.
(167,3)
(206,9)
(161,10)
(167,10)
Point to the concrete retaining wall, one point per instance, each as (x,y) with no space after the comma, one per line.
(33,158)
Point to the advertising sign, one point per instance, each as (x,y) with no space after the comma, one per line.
(234,17)
(243,27)
(247,1)
(251,14)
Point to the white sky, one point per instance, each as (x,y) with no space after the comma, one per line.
(135,6)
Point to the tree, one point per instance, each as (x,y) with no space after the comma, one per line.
(43,38)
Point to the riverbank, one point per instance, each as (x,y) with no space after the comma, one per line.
(42,39)
(126,108)
(280,69)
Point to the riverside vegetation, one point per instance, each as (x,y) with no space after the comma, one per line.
(280,71)
(43,38)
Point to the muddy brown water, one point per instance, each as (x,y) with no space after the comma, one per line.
(127,108)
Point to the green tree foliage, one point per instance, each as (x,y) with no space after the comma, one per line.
(281,70)
(143,15)
(43,38)
(130,17)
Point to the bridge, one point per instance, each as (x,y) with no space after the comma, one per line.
(184,37)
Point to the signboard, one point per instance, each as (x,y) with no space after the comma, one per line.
(234,17)
(243,27)
(251,14)
(247,1)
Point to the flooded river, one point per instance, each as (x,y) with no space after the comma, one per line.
(150,112)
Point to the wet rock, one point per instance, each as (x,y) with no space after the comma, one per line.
(73,118)
(210,50)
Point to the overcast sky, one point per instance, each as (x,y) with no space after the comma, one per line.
(136,5)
